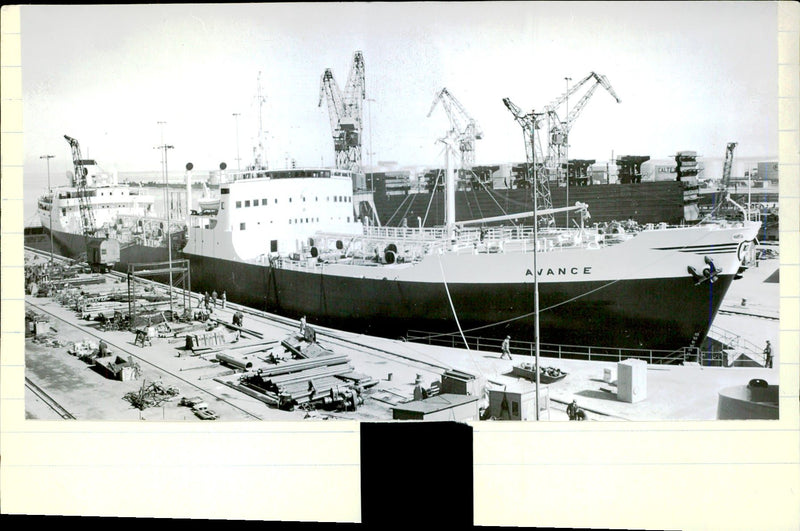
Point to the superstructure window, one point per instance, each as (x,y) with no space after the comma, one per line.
(238,204)
(247,203)
(241,226)
(255,202)
(263,202)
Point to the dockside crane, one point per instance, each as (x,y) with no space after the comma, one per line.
(726,168)
(79,182)
(345,112)
(465,130)
(558,130)
(539,179)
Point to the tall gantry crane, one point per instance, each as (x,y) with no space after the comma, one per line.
(726,168)
(464,129)
(540,180)
(79,182)
(345,113)
(558,130)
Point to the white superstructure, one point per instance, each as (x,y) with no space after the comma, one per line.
(108,200)
(273,211)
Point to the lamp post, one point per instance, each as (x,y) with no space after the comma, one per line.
(50,190)
(236,117)
(164,148)
(566,144)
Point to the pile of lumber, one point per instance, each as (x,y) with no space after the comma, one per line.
(313,381)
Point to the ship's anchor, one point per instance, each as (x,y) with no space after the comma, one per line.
(709,273)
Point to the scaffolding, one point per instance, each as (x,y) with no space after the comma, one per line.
(179,276)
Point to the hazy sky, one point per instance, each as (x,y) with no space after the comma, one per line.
(690,76)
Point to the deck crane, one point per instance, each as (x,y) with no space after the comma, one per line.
(79,182)
(558,130)
(465,129)
(345,113)
(530,124)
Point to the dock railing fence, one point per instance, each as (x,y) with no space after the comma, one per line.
(560,351)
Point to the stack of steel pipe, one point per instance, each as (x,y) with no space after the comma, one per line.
(301,381)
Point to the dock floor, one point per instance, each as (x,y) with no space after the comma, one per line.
(688,392)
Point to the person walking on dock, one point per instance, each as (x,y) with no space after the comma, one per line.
(506,348)
(303,325)
(224,299)
(214,298)
(768,356)
(206,299)
(574,412)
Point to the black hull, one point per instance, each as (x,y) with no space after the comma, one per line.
(662,314)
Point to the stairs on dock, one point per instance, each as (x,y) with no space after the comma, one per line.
(740,351)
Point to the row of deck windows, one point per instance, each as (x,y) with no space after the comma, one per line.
(336,199)
(243,226)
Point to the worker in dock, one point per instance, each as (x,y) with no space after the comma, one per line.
(571,408)
(238,318)
(206,300)
(768,356)
(310,334)
(506,348)
(214,298)
(303,325)
(224,298)
(574,412)
(103,348)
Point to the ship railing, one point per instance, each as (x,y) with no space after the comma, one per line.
(566,351)
(491,239)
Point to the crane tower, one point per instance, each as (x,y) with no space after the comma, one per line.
(726,169)
(530,123)
(464,129)
(79,182)
(345,113)
(558,130)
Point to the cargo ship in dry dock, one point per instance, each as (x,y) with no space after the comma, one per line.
(289,241)
(111,223)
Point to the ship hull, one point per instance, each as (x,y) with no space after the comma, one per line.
(656,313)
(652,313)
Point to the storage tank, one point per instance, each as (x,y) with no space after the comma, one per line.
(756,400)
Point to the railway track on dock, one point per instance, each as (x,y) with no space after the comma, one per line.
(48,400)
(286,323)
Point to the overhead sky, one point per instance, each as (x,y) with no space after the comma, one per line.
(691,76)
